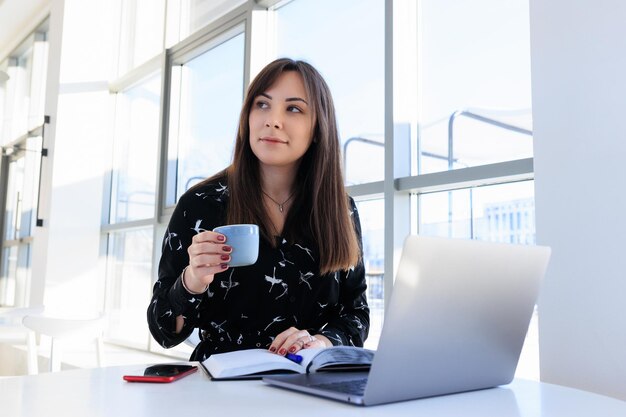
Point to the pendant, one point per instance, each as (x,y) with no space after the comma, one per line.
(280,207)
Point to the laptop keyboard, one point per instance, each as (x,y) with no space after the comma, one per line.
(353,386)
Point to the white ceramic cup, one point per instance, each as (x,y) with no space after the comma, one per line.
(244,239)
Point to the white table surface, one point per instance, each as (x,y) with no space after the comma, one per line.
(102,392)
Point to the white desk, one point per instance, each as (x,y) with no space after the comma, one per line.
(102,392)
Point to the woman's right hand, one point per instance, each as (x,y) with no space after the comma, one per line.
(208,255)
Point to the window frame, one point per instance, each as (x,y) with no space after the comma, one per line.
(15,143)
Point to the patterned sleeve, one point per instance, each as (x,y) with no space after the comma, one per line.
(352,325)
(170,299)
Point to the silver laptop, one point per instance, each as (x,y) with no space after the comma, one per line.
(456,322)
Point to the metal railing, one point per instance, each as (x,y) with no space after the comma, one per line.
(356,139)
(450,157)
(480,118)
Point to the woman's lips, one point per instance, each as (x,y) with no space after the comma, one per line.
(271,139)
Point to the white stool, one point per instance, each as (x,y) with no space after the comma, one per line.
(12,331)
(63,329)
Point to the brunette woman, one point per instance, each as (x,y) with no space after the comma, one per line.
(307,288)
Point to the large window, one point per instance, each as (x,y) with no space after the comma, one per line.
(207,92)
(462,87)
(474,83)
(132,204)
(19,221)
(22,91)
(136,143)
(129,263)
(442,94)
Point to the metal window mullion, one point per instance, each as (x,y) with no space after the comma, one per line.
(123,226)
(32,133)
(489,174)
(213,34)
(247,47)
(397,204)
(107,187)
(4,179)
(163,143)
(370,189)
(136,75)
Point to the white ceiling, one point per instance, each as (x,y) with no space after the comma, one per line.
(17,17)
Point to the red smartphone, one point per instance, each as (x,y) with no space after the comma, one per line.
(162,373)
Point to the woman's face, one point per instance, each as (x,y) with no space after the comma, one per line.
(281,122)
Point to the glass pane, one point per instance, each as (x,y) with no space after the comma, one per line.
(7,276)
(4,80)
(17,92)
(136,144)
(497,213)
(142,32)
(475,94)
(22,186)
(348,50)
(207,93)
(15,275)
(129,270)
(187,16)
(371,213)
(13,199)
(38,81)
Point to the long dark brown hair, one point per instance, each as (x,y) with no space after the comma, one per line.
(319,194)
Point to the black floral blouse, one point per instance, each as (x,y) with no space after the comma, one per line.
(246,307)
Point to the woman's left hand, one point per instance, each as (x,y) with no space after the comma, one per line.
(293,340)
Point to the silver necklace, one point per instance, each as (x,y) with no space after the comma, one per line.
(280,205)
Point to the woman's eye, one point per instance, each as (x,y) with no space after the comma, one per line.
(262,105)
(294,109)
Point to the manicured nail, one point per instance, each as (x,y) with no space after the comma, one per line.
(224,266)
(282,351)
(225,257)
(292,349)
(227,248)
(272,349)
(221,238)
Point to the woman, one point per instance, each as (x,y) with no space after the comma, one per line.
(307,288)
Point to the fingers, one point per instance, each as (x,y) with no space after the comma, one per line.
(208,255)
(208,236)
(321,341)
(293,340)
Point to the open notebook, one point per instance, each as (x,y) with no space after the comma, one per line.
(456,322)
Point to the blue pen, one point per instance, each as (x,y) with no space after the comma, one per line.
(295,358)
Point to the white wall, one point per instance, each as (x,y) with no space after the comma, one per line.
(579,97)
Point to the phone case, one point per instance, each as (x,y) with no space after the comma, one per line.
(159,378)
